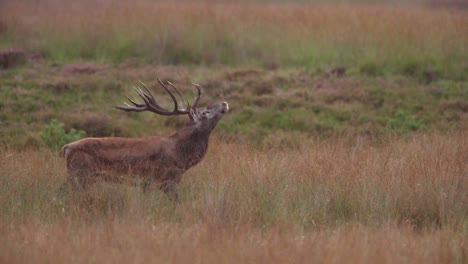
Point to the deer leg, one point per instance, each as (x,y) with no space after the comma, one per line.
(146,185)
(170,189)
(71,183)
(79,180)
(79,174)
(62,189)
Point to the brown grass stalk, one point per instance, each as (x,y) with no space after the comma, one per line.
(114,242)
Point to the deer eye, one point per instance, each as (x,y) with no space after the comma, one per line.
(206,112)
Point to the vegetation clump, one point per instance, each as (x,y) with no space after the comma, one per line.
(55,136)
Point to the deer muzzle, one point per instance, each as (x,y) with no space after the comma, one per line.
(226,107)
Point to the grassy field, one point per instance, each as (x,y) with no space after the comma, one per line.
(329,201)
(346,139)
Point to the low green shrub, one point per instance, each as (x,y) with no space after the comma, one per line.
(54,135)
(402,121)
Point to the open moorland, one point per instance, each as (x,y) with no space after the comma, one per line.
(346,139)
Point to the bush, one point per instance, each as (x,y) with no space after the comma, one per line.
(55,136)
(371,69)
(403,122)
(10,58)
(410,68)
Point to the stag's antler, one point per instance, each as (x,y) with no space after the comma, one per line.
(151,105)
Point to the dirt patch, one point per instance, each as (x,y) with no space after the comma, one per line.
(83,68)
(242,74)
(10,58)
(343,90)
(337,72)
(96,125)
(58,87)
(455,105)
(337,84)
(262,88)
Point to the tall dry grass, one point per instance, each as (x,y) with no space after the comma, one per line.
(115,242)
(269,34)
(361,201)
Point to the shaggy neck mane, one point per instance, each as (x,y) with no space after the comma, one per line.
(192,144)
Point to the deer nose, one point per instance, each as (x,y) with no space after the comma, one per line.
(226,105)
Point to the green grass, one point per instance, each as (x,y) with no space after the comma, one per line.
(303,103)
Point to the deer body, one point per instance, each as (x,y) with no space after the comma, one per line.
(153,161)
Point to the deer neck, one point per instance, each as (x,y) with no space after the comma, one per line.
(191,145)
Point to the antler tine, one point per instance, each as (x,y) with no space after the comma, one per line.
(125,107)
(142,95)
(176,105)
(133,102)
(135,107)
(150,103)
(197,98)
(147,96)
(178,92)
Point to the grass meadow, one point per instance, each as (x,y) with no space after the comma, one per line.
(329,201)
(346,139)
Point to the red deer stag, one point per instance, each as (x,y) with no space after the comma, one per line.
(153,160)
